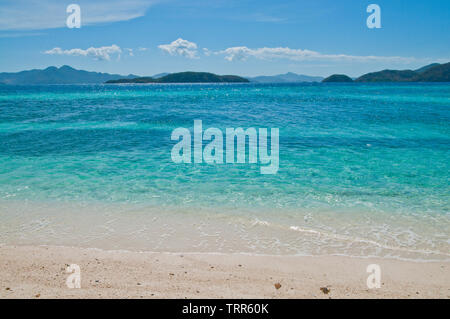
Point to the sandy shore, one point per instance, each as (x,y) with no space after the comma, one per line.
(40,272)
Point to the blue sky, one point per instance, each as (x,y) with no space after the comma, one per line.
(146,37)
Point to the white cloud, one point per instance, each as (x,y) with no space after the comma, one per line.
(180,47)
(207,52)
(243,53)
(101,53)
(47,14)
(130,51)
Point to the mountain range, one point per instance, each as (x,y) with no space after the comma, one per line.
(62,75)
(434,72)
(285,78)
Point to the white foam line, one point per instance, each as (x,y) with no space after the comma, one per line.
(367,241)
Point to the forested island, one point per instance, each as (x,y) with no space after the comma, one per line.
(185,77)
(430,73)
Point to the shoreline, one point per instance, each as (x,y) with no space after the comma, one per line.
(40,272)
(219,253)
(138,227)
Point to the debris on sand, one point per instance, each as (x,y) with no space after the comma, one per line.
(325,290)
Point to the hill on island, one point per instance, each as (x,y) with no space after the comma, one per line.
(185,77)
(54,75)
(436,73)
(285,78)
(160,75)
(337,78)
(430,73)
(388,76)
(426,67)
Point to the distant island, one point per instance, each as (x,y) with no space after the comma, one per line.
(65,74)
(338,78)
(184,77)
(434,72)
(54,75)
(289,77)
(429,73)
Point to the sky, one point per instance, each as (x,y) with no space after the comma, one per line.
(245,37)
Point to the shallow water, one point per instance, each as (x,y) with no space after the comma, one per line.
(364,169)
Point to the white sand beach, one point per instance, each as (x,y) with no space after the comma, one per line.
(40,272)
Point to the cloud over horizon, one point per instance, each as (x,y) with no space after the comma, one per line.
(180,47)
(242,53)
(100,53)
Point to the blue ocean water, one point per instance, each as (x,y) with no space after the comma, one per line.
(364,169)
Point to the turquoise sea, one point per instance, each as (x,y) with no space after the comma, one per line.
(364,169)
